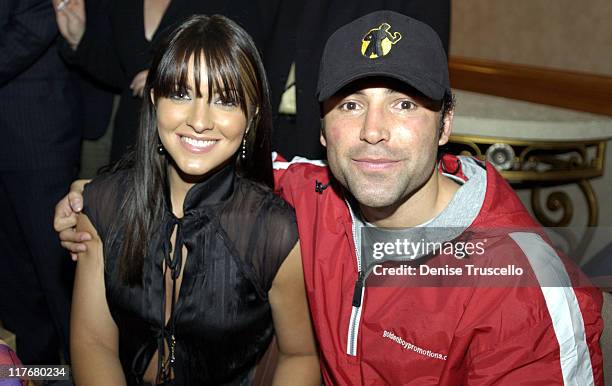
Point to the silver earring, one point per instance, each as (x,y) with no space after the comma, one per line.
(243,156)
(160,148)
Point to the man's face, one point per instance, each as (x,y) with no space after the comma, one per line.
(382,140)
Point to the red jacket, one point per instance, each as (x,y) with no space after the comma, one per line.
(438,335)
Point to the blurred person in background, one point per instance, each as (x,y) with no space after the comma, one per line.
(9,358)
(39,156)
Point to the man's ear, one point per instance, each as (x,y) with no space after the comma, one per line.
(446,129)
(322,138)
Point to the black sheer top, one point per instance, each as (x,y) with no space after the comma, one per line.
(237,234)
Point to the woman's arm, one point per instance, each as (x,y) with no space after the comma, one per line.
(298,363)
(94,338)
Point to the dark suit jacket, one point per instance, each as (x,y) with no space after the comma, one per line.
(38,114)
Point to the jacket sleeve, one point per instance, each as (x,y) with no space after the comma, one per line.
(96,54)
(281,185)
(28,29)
(560,349)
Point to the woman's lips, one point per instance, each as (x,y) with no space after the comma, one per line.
(196,145)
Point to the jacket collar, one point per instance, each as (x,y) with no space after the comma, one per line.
(215,189)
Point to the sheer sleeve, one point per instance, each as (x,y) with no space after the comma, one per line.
(102,201)
(275,234)
(263,228)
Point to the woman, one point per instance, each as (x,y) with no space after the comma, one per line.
(194,263)
(113,41)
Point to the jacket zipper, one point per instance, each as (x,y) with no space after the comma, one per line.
(358,294)
(353,331)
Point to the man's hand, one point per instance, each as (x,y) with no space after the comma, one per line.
(65,220)
(71,20)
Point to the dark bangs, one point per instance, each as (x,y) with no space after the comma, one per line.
(215,48)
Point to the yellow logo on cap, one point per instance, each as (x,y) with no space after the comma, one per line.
(378,41)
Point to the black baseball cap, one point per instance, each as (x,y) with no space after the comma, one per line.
(387,44)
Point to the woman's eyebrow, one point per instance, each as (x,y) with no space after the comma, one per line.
(225,91)
(186,87)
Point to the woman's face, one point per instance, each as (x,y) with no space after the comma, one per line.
(199,135)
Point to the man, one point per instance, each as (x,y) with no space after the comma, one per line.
(385,112)
(292,51)
(39,155)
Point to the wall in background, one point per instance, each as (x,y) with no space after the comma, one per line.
(563,34)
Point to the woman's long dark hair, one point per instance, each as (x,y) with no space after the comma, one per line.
(235,71)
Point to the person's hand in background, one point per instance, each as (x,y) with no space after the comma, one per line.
(71,20)
(138,83)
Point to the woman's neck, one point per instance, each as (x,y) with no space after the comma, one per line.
(178,190)
(180,183)
(153,11)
